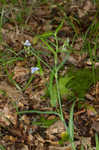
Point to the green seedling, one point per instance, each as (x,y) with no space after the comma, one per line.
(64,138)
(2,92)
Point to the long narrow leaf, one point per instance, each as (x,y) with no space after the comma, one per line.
(2,147)
(97,141)
(53,94)
(38,57)
(59,27)
(48,46)
(46,34)
(37,112)
(71,127)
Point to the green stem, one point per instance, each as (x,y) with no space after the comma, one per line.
(28,83)
(36,55)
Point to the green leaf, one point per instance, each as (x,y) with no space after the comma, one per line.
(59,27)
(53,96)
(48,46)
(71,127)
(97,141)
(64,138)
(52,91)
(82,147)
(2,147)
(46,34)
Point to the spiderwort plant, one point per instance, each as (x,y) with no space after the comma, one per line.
(33,70)
(55,50)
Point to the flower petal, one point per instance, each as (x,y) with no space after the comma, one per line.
(33,69)
(27,43)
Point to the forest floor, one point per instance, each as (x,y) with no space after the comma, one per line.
(44,44)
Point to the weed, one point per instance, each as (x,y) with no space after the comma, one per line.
(54,70)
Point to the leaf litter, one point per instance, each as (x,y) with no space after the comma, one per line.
(17,131)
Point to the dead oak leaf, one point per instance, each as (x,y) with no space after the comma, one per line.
(20,74)
(95,126)
(11,91)
(56,128)
(86,8)
(13,94)
(7,116)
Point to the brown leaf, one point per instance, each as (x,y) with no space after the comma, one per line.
(11,91)
(95,126)
(56,128)
(97,91)
(15,132)
(20,74)
(87,6)
(7,116)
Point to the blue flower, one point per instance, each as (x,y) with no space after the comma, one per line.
(27,43)
(33,69)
